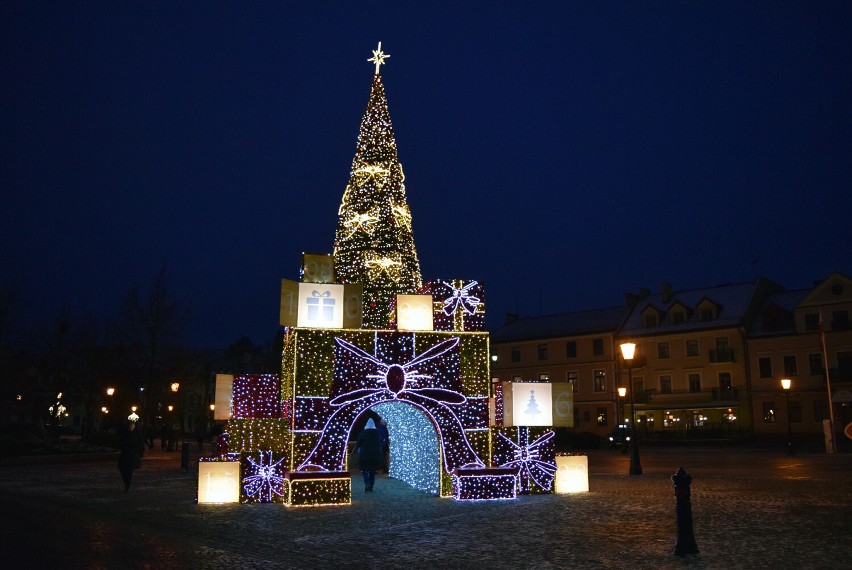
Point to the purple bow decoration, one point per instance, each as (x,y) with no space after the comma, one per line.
(461,297)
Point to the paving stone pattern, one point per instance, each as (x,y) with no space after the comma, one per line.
(752,508)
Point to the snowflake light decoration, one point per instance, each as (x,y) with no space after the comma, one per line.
(265,478)
(528,458)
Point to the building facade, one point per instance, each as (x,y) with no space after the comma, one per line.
(708,362)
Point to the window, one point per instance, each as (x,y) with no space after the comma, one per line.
(815,364)
(650,320)
(597,346)
(571,349)
(790,366)
(601,419)
(812,321)
(516,354)
(692,348)
(587,417)
(844,363)
(840,321)
(576,417)
(663,350)
(706,314)
(517,379)
(573,379)
(795,411)
(544,377)
(678,317)
(694,383)
(665,384)
(764,363)
(600,381)
(820,411)
(542,352)
(768,412)
(638,385)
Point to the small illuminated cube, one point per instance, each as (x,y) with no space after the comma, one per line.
(218,482)
(414,312)
(572,474)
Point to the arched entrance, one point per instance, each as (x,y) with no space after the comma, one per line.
(415,455)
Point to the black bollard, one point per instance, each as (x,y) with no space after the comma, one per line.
(184,456)
(685,535)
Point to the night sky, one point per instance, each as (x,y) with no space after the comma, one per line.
(563,153)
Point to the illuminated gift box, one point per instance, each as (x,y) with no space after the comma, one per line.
(262,477)
(572,474)
(484,484)
(531,452)
(218,481)
(457,304)
(317,488)
(414,312)
(256,396)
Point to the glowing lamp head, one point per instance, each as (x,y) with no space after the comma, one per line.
(628,350)
(622,392)
(175,386)
(110,391)
(785,383)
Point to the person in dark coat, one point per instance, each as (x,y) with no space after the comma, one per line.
(130,446)
(371,458)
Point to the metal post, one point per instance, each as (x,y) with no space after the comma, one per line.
(635,465)
(686,544)
(790,449)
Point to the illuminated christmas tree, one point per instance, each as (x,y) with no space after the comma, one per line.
(374,244)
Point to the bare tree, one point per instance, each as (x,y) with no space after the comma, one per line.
(153,322)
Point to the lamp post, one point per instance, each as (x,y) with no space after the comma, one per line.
(628,350)
(785,384)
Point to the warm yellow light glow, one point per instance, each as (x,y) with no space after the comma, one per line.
(414,312)
(175,386)
(628,349)
(212,407)
(622,392)
(20,397)
(110,391)
(104,409)
(785,383)
(171,408)
(132,408)
(572,474)
(218,482)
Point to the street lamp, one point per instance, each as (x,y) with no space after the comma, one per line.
(110,391)
(628,350)
(175,386)
(785,384)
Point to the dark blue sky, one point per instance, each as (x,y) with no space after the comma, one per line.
(563,153)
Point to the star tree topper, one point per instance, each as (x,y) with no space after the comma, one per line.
(379,57)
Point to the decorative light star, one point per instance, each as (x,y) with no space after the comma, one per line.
(402,215)
(359,222)
(379,57)
(264,479)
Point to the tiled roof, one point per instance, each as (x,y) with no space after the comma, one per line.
(732,300)
(566,324)
(787,301)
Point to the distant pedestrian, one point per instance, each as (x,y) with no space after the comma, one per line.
(164,436)
(371,458)
(129,458)
(149,436)
(385,437)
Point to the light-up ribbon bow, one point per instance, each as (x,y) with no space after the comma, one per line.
(461,297)
(387,382)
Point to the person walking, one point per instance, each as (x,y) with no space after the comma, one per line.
(371,458)
(129,458)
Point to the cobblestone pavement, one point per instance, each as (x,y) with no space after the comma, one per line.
(752,509)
